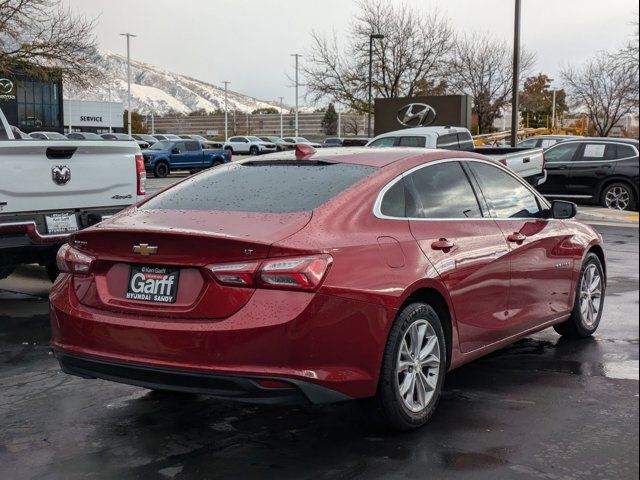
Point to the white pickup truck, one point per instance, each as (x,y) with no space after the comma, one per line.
(51,188)
(526,162)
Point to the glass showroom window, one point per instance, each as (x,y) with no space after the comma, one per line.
(37,105)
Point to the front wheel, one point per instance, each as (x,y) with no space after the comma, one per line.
(618,196)
(161,170)
(589,301)
(254,151)
(413,368)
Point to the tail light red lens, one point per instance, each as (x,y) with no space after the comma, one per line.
(70,260)
(235,274)
(292,273)
(141,175)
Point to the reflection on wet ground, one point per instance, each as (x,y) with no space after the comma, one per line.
(544,407)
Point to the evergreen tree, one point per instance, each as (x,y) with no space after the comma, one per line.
(330,121)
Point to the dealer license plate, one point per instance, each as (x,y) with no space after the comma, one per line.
(61,223)
(153,284)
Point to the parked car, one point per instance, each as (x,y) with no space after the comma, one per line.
(168,155)
(544,141)
(526,162)
(337,277)
(355,141)
(142,137)
(166,136)
(249,145)
(594,170)
(206,143)
(297,140)
(47,136)
(281,144)
(18,134)
(332,142)
(51,188)
(83,136)
(123,137)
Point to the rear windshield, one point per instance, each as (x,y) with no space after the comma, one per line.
(266,187)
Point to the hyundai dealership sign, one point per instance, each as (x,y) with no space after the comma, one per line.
(407,112)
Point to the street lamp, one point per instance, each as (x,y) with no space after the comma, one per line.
(226,118)
(297,56)
(516,75)
(128,35)
(281,119)
(373,36)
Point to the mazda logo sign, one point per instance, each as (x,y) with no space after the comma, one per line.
(6,86)
(416,115)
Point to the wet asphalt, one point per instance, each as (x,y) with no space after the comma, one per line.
(542,408)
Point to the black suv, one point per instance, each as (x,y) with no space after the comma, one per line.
(593,170)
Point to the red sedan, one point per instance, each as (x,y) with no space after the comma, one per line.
(324,277)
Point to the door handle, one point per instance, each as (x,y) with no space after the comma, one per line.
(517,237)
(563,167)
(443,244)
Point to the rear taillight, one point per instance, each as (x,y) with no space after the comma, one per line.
(292,273)
(70,260)
(141,175)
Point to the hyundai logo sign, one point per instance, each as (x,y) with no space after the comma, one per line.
(416,115)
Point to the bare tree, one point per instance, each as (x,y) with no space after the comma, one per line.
(39,35)
(606,88)
(409,56)
(482,67)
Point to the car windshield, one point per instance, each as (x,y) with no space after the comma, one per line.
(278,186)
(172,137)
(302,140)
(254,139)
(161,145)
(122,136)
(55,136)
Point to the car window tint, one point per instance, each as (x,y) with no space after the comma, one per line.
(625,151)
(411,142)
(383,142)
(290,187)
(440,191)
(564,152)
(465,141)
(532,143)
(192,146)
(548,142)
(448,142)
(593,151)
(507,196)
(180,146)
(393,201)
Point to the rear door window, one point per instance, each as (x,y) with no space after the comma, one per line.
(393,204)
(192,146)
(411,142)
(383,142)
(594,152)
(440,191)
(262,186)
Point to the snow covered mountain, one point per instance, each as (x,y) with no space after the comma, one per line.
(156,90)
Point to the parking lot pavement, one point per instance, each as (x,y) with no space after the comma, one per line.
(542,408)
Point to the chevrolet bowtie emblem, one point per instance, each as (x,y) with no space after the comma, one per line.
(145,249)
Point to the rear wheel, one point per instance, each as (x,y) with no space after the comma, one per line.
(413,368)
(618,196)
(589,302)
(161,170)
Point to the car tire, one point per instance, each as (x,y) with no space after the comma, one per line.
(6,271)
(407,396)
(618,196)
(216,163)
(589,301)
(52,271)
(254,151)
(229,149)
(161,170)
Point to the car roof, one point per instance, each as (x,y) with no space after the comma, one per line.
(423,131)
(374,157)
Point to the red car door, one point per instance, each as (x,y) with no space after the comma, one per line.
(540,249)
(467,249)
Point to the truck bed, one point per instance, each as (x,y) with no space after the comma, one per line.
(526,162)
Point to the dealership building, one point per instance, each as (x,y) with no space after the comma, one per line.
(93,116)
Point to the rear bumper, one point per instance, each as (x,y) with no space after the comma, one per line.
(226,387)
(308,340)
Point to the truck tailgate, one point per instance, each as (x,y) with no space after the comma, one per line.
(50,175)
(526,162)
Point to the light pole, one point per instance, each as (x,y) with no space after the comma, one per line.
(516,76)
(339,120)
(128,35)
(371,38)
(553,111)
(297,56)
(226,110)
(281,119)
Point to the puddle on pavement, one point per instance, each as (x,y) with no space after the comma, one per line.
(472,460)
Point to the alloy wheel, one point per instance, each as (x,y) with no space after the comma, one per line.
(418,365)
(617,198)
(590,295)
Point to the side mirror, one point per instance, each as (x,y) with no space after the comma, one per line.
(175,151)
(563,210)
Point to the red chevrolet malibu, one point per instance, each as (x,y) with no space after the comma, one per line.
(324,277)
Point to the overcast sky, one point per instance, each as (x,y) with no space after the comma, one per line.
(249,42)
